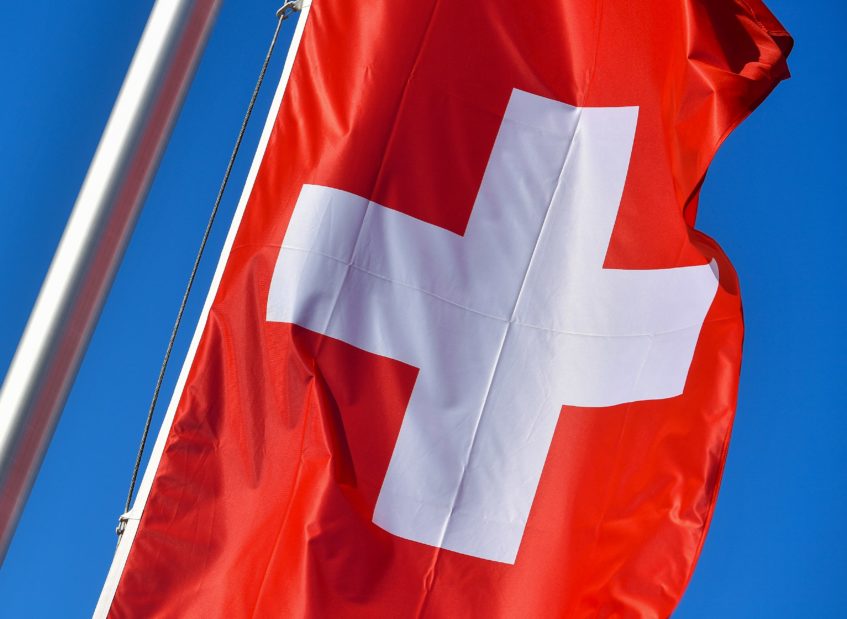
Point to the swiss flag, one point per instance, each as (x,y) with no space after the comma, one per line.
(465,355)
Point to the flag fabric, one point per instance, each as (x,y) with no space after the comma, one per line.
(465,354)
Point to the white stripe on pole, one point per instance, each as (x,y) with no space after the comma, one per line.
(81,273)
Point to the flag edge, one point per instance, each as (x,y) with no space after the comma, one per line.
(113,577)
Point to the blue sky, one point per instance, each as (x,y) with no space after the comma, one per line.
(772,199)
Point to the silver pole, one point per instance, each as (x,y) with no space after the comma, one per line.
(72,295)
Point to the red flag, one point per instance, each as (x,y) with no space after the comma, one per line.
(465,355)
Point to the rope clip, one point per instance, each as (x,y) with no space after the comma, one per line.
(122,520)
(290,7)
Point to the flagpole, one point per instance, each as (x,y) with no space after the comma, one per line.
(80,275)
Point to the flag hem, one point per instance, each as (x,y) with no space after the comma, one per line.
(133,517)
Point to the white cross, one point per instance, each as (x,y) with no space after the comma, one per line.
(506,323)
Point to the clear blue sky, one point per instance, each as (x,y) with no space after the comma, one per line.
(773,199)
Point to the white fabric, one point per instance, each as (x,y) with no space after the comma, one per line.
(506,323)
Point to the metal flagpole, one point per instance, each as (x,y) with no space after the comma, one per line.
(72,295)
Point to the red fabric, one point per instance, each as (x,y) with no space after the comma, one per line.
(262,502)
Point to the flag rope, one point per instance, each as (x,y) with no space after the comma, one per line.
(285,11)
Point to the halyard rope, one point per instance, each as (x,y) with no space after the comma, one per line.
(285,11)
